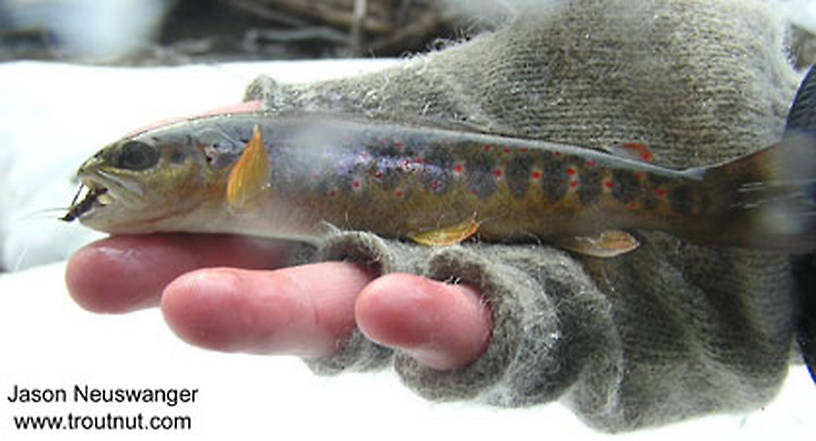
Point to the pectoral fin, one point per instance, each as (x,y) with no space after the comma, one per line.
(250,174)
(449,235)
(605,244)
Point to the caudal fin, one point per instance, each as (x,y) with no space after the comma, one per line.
(767,200)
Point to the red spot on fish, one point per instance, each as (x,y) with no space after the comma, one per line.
(419,160)
(609,184)
(631,205)
(535,175)
(497,172)
(332,194)
(398,193)
(660,192)
(436,185)
(378,174)
(571,171)
(556,154)
(573,184)
(524,150)
(486,147)
(590,163)
(506,150)
(458,169)
(397,145)
(355,184)
(640,176)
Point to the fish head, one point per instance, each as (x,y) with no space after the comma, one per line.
(153,181)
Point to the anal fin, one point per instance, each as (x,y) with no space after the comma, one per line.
(606,244)
(449,235)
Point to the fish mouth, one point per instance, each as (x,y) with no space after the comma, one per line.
(95,196)
(102,188)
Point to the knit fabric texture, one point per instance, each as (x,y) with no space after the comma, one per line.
(666,332)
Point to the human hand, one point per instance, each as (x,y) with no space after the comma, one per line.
(218,292)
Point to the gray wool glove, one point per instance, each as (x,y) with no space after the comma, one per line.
(668,331)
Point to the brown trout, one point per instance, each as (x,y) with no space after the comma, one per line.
(290,176)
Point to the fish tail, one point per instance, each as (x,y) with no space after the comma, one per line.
(766,199)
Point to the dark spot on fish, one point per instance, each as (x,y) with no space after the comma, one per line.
(626,186)
(389,177)
(436,170)
(347,171)
(657,180)
(386,165)
(651,201)
(177,156)
(480,176)
(554,180)
(322,186)
(518,175)
(136,155)
(217,158)
(343,182)
(682,199)
(590,190)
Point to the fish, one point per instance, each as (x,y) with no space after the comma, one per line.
(297,176)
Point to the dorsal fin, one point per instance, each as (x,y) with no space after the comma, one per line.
(638,151)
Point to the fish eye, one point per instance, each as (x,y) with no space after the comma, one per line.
(136,155)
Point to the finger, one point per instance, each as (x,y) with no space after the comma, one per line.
(125,273)
(302,310)
(443,326)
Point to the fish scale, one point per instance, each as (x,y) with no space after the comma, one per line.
(385,169)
